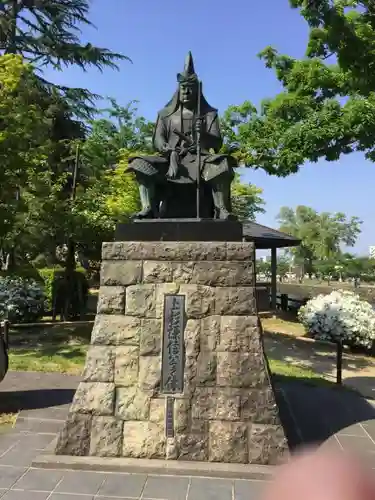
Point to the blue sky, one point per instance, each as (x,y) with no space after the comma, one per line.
(225,37)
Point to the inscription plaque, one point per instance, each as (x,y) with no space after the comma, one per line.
(172,377)
(169,420)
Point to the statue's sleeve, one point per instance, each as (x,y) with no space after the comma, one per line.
(160,135)
(213,138)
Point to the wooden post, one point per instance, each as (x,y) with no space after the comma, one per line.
(339,363)
(6,333)
(273,278)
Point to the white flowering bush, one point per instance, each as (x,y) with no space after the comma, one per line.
(340,315)
(21,299)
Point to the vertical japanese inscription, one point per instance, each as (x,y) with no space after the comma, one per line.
(173,344)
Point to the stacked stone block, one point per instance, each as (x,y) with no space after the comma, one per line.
(227,411)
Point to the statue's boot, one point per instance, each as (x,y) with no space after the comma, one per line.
(221,197)
(147,196)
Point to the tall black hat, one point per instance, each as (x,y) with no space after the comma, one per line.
(188,75)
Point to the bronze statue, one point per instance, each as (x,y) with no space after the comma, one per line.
(188,139)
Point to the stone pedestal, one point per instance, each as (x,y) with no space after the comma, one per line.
(226,411)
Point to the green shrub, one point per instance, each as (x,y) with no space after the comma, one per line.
(21,299)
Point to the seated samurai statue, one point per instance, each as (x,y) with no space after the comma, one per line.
(168,182)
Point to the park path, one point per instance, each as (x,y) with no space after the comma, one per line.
(358,371)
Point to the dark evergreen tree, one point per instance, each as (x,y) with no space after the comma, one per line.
(47,33)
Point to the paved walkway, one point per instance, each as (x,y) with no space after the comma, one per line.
(330,417)
(45,401)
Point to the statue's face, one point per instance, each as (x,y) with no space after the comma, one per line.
(188,94)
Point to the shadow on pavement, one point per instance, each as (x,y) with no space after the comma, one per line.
(312,414)
(14,401)
(366,385)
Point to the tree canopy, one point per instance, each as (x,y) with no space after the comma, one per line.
(47,33)
(322,234)
(327,105)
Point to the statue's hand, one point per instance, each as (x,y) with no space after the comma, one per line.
(198,125)
(172,171)
(166,148)
(173,165)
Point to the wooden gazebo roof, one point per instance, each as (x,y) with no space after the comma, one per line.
(265,237)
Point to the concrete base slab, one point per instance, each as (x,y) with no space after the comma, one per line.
(156,467)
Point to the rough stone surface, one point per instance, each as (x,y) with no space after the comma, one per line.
(132,404)
(126,366)
(143,440)
(267,443)
(149,373)
(140,301)
(106,437)
(96,398)
(240,369)
(228,442)
(120,272)
(157,272)
(223,273)
(235,301)
(200,300)
(151,334)
(74,438)
(100,364)
(111,330)
(227,411)
(239,334)
(111,300)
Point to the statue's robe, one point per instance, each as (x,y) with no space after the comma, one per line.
(213,165)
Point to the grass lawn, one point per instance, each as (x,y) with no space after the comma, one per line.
(285,324)
(61,358)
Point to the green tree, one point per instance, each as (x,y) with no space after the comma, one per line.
(47,32)
(327,105)
(321,235)
(24,140)
(357,267)
(263,267)
(283,266)
(326,269)
(246,199)
(118,128)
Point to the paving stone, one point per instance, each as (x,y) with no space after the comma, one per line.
(84,483)
(26,495)
(123,485)
(355,443)
(18,456)
(104,498)
(38,426)
(9,475)
(35,441)
(68,496)
(2,492)
(353,430)
(369,427)
(248,490)
(175,488)
(7,442)
(210,489)
(39,480)
(46,413)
